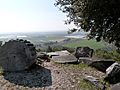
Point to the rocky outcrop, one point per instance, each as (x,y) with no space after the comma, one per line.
(113,73)
(83,52)
(16,55)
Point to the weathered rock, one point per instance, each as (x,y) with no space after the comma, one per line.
(113,73)
(83,52)
(63,57)
(52,54)
(115,87)
(86,60)
(16,55)
(102,65)
(42,56)
(95,82)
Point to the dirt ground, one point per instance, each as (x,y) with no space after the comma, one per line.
(49,76)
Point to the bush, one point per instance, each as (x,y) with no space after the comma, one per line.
(115,56)
(1,70)
(102,54)
(108,54)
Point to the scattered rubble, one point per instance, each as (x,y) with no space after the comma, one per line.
(50,77)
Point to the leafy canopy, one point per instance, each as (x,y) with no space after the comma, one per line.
(99,17)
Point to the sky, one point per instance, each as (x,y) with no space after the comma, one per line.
(31,15)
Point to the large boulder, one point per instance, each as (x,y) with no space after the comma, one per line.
(102,65)
(16,55)
(63,57)
(83,52)
(113,73)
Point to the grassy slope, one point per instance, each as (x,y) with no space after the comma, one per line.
(83,42)
(80,70)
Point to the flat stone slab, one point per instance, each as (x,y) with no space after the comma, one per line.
(59,53)
(62,57)
(86,60)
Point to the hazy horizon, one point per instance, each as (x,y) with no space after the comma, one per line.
(41,31)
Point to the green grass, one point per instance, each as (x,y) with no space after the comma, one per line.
(108,55)
(87,86)
(1,70)
(83,42)
(54,37)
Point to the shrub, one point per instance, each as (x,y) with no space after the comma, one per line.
(108,54)
(1,70)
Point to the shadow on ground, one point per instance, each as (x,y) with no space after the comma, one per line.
(36,76)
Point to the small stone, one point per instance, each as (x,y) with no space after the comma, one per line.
(72,86)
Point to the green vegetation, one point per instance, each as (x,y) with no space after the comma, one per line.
(108,55)
(86,85)
(1,70)
(101,18)
(54,38)
(83,42)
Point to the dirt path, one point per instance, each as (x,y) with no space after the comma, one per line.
(49,77)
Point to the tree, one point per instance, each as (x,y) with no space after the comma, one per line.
(99,17)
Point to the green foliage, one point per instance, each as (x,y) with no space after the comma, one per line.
(1,71)
(103,54)
(99,17)
(83,42)
(115,56)
(59,48)
(108,55)
(86,85)
(69,49)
